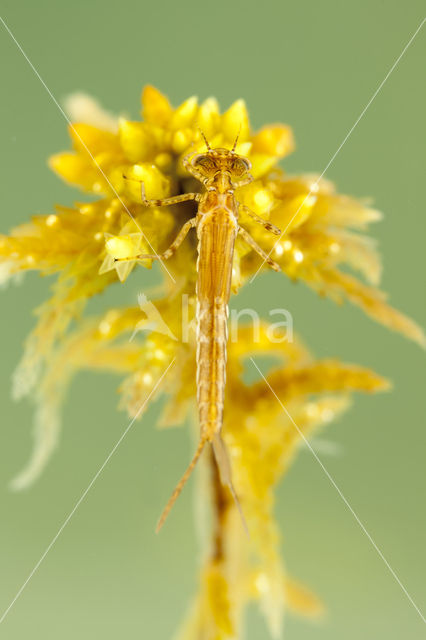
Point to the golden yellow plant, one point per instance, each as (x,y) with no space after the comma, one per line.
(323,236)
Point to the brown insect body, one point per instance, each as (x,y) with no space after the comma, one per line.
(217,228)
(221,171)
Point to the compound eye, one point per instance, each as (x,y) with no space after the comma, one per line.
(205,163)
(239,167)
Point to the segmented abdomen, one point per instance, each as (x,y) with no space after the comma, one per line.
(216,235)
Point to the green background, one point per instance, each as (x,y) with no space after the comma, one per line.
(314,65)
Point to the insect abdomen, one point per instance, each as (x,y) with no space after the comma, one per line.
(215,256)
(211,364)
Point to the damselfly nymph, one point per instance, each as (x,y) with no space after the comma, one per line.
(221,171)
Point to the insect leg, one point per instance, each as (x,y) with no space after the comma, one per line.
(162,202)
(247,238)
(245,181)
(265,223)
(169,252)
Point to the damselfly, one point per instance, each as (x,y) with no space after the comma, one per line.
(221,171)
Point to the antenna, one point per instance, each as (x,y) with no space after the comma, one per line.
(236,140)
(205,139)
